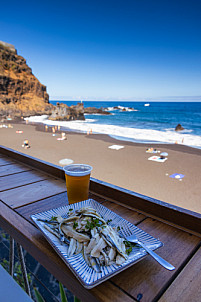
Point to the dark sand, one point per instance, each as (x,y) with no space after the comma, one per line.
(128,167)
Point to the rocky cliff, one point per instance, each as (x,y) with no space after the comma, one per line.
(21,93)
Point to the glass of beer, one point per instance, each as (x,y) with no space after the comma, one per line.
(77,182)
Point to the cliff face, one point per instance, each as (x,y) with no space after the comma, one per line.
(21,93)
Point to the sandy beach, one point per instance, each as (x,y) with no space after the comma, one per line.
(127,167)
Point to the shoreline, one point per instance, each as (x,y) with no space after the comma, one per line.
(111,139)
(120,132)
(128,167)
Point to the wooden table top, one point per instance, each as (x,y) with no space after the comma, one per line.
(26,189)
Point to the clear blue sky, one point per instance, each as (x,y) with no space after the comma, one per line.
(108,49)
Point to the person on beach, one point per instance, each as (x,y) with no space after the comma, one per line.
(26,144)
(63,137)
(53,131)
(152,150)
(89,131)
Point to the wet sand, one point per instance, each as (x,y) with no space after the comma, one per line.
(128,167)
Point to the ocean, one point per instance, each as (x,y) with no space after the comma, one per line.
(151,122)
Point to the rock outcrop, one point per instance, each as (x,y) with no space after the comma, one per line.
(93,110)
(179,127)
(62,112)
(21,93)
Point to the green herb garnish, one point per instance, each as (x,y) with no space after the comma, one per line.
(108,221)
(92,224)
(75,224)
(53,218)
(129,246)
(128,250)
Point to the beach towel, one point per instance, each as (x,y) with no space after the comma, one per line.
(116,147)
(157,158)
(177,176)
(61,138)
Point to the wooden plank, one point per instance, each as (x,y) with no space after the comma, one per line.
(33,241)
(130,215)
(164,232)
(34,162)
(33,192)
(147,277)
(61,200)
(150,206)
(186,286)
(5,161)
(147,205)
(43,205)
(96,197)
(21,179)
(13,169)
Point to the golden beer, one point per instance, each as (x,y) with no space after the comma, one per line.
(77,182)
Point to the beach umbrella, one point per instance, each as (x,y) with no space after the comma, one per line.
(65,161)
(163,154)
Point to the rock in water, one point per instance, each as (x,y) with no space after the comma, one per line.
(21,93)
(179,127)
(93,110)
(62,112)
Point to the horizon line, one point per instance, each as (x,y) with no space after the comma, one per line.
(113,99)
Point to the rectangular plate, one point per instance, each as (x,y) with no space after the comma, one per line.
(85,274)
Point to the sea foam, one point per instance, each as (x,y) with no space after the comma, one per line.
(132,134)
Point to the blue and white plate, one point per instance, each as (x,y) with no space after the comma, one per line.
(86,275)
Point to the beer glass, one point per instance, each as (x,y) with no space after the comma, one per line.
(77,182)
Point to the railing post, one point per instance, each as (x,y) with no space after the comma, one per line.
(23,268)
(11,256)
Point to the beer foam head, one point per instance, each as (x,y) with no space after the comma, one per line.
(77,169)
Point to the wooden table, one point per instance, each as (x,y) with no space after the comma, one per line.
(29,186)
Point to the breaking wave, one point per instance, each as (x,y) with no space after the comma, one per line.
(120,132)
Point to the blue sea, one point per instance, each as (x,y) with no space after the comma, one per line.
(151,122)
